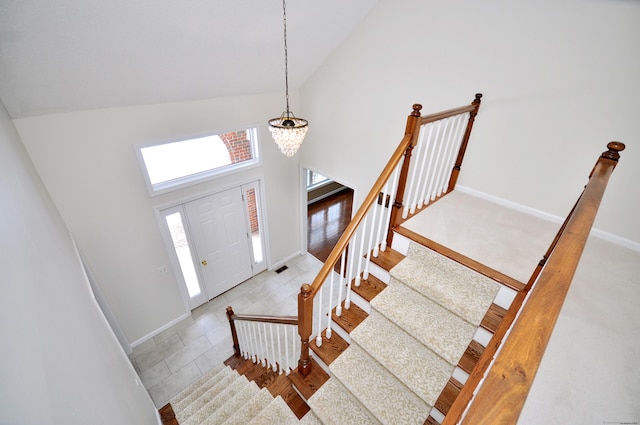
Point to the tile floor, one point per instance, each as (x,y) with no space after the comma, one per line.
(171,360)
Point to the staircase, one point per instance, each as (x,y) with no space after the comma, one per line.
(223,396)
(398,355)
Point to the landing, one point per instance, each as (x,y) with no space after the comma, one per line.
(504,239)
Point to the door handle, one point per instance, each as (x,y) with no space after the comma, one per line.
(203,262)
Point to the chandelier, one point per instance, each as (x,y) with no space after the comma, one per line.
(287,130)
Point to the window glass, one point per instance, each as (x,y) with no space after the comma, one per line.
(176,164)
(315,179)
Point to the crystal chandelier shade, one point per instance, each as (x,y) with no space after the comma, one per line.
(288,132)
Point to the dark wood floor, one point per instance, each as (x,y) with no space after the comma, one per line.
(326,220)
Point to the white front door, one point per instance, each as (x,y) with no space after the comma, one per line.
(221,240)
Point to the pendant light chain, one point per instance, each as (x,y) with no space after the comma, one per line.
(286,57)
(287,130)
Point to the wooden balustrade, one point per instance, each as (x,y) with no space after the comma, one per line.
(402,153)
(502,395)
(232,317)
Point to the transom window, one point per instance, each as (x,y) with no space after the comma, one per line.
(315,180)
(172,165)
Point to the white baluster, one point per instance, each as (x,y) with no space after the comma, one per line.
(363,235)
(376,247)
(280,357)
(263,343)
(296,351)
(392,195)
(372,231)
(241,338)
(438,163)
(431,167)
(328,331)
(417,166)
(426,163)
(444,167)
(254,357)
(341,285)
(459,134)
(320,310)
(274,359)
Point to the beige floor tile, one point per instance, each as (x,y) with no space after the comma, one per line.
(188,353)
(155,374)
(172,385)
(160,352)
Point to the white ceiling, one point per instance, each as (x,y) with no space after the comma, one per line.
(69,55)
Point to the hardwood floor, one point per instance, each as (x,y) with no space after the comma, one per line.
(326,220)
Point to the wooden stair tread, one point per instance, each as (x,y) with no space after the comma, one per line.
(431,421)
(471,356)
(331,348)
(276,384)
(262,376)
(167,416)
(387,259)
(234,361)
(493,318)
(308,385)
(448,395)
(369,288)
(282,387)
(349,319)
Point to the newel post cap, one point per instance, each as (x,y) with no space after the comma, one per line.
(614,150)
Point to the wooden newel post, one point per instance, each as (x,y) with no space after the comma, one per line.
(411,128)
(234,333)
(305,314)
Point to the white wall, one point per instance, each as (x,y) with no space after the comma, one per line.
(88,163)
(61,364)
(559,78)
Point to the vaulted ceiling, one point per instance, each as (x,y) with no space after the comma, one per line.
(69,55)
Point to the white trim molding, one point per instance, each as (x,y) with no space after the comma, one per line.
(601,234)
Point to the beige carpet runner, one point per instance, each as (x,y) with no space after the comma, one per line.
(399,360)
(222,396)
(404,353)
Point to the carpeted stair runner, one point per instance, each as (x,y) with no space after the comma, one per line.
(222,396)
(403,354)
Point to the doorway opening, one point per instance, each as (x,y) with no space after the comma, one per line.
(329,209)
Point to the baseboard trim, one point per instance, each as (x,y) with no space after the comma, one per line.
(283,262)
(160,329)
(601,234)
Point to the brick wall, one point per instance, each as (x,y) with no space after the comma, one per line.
(253,210)
(238,145)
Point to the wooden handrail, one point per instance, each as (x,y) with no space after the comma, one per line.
(501,397)
(282,320)
(351,228)
(466,394)
(307,292)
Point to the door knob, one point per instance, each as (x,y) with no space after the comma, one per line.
(203,262)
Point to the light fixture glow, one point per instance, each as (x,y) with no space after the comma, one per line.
(287,130)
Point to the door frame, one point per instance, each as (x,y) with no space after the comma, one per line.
(178,205)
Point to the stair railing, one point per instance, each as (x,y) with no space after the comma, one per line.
(441,140)
(502,394)
(271,341)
